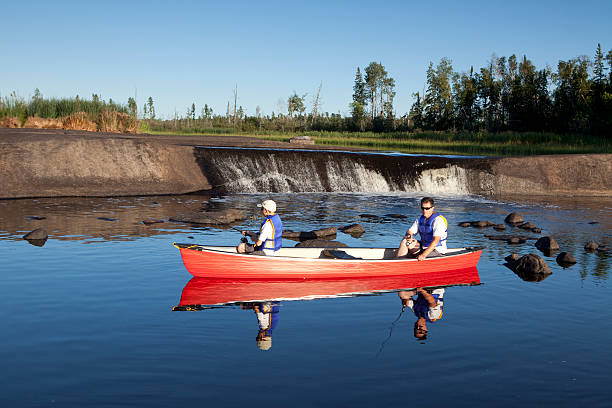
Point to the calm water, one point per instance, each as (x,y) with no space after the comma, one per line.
(87,318)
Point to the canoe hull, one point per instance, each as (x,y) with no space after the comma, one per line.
(218,264)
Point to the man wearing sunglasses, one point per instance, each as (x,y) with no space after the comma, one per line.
(431,227)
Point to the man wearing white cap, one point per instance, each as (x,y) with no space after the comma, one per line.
(270,237)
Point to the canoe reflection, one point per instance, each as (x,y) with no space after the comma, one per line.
(203,292)
(422,293)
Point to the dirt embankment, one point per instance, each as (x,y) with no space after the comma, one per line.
(97,167)
(49,162)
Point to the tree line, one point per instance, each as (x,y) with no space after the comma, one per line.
(508,94)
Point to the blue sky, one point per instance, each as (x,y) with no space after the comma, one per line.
(185,52)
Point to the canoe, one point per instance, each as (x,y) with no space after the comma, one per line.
(317,263)
(217,292)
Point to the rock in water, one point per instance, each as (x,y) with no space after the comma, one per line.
(530,266)
(591,246)
(514,218)
(565,259)
(38,233)
(547,244)
(320,243)
(352,229)
(37,237)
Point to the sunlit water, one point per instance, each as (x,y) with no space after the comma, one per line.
(87,318)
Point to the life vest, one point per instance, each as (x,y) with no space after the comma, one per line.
(267,318)
(421,306)
(426,229)
(277,232)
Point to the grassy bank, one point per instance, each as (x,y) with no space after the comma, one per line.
(488,144)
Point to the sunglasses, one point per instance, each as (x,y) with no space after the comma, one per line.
(426,208)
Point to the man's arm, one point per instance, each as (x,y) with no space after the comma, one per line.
(428,297)
(429,249)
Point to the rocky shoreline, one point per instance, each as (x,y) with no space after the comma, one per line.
(55,162)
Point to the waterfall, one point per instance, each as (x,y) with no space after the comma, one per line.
(287,171)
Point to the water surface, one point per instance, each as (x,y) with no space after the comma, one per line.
(88,317)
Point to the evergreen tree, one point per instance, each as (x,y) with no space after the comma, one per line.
(416,112)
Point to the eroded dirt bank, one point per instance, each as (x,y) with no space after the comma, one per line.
(49,162)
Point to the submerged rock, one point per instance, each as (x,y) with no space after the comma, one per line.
(566,259)
(527,226)
(352,229)
(320,243)
(499,227)
(308,235)
(152,221)
(217,217)
(481,224)
(591,246)
(465,224)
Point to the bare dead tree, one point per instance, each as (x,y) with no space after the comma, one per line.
(316,105)
(235,102)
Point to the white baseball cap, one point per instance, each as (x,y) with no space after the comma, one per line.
(268,205)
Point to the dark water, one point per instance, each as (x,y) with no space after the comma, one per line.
(87,318)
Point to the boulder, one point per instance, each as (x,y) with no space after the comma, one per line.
(527,226)
(481,224)
(591,246)
(307,235)
(325,232)
(536,230)
(465,224)
(499,227)
(320,243)
(565,259)
(400,216)
(217,217)
(352,229)
(302,140)
(37,237)
(516,240)
(514,218)
(547,244)
(531,264)
(38,233)
(152,221)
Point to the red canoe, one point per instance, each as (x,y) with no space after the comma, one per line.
(317,263)
(212,292)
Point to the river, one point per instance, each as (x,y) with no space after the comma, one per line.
(88,317)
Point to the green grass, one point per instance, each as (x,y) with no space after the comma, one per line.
(487,144)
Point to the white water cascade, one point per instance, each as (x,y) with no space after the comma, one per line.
(253,171)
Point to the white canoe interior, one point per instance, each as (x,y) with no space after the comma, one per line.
(338,253)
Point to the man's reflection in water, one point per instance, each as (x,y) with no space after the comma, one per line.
(427,307)
(267,319)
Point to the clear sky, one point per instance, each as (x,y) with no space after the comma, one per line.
(184,52)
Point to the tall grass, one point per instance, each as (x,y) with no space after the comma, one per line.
(54,108)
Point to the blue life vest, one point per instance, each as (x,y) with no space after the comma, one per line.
(426,229)
(277,231)
(421,306)
(271,310)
